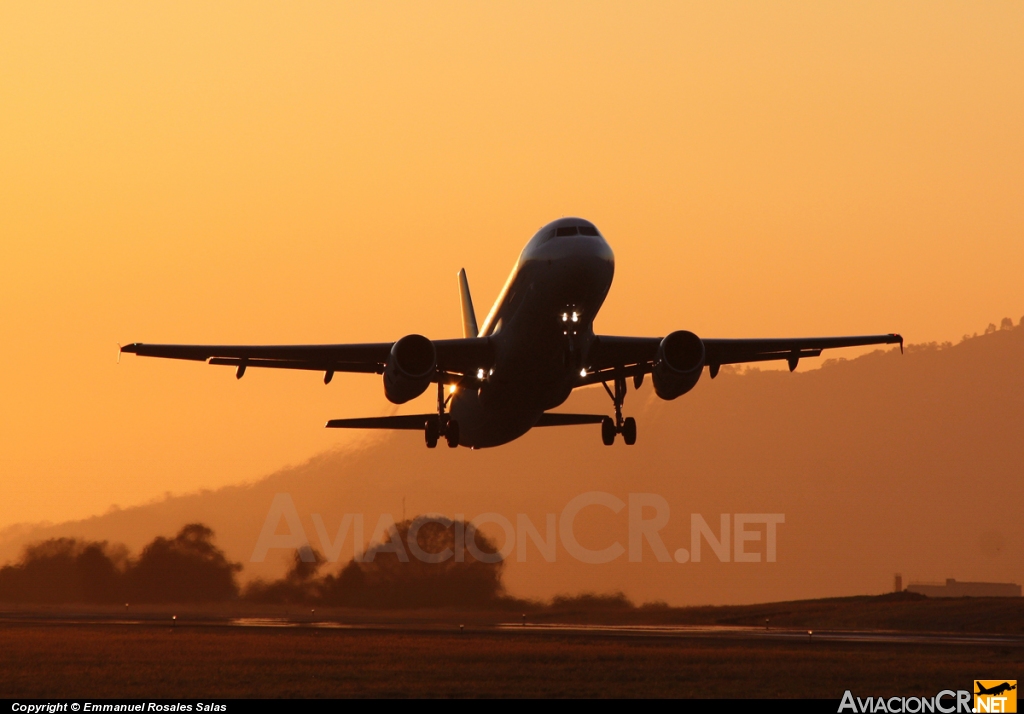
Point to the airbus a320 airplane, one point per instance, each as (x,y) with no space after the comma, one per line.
(535,346)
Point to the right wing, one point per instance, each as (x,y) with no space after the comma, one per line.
(454,357)
(613,356)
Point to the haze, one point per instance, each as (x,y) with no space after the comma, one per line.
(266,173)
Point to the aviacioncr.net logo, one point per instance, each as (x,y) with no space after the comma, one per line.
(945,702)
(995,695)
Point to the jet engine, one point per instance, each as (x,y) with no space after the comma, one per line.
(678,364)
(409,368)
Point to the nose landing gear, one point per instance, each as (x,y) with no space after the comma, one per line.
(627,426)
(442,424)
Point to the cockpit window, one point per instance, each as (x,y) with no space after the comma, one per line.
(550,232)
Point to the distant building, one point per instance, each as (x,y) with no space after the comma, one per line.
(898,585)
(954,589)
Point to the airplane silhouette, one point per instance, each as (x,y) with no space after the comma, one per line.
(996,690)
(535,346)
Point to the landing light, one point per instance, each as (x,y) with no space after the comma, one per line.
(451,389)
(565,317)
(575,317)
(583,373)
(480,373)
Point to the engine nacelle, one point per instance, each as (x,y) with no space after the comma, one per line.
(678,364)
(409,368)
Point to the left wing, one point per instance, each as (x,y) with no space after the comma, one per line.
(612,356)
(454,357)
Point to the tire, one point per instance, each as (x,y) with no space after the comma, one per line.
(452,434)
(607,431)
(629,431)
(430,433)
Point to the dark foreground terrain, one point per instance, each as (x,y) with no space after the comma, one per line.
(150,660)
(242,650)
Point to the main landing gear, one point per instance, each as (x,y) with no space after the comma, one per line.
(442,424)
(627,426)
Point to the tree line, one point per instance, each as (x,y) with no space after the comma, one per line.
(189,567)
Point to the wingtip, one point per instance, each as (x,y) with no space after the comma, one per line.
(132,348)
(899,337)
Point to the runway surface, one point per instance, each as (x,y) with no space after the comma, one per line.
(560,629)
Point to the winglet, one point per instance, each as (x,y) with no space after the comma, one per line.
(469,324)
(900,338)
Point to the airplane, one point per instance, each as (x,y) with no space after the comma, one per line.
(996,690)
(536,345)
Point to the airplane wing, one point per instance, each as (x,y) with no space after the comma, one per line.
(612,356)
(454,357)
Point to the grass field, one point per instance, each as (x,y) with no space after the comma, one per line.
(156,661)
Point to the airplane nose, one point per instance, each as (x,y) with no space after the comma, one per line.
(575,248)
(593,247)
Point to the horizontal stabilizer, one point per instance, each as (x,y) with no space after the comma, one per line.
(554,419)
(412,422)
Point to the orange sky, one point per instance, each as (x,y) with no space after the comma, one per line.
(245,172)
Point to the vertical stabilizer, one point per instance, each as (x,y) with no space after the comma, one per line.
(469,327)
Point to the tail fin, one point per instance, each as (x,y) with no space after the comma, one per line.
(469,326)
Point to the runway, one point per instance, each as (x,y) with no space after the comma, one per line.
(574,630)
(313,654)
(782,634)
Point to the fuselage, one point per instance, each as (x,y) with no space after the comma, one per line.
(541,326)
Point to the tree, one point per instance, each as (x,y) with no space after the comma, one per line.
(426,563)
(186,568)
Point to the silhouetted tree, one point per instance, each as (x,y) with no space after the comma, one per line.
(435,568)
(186,568)
(65,570)
(300,584)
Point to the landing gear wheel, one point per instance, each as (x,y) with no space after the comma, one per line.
(451,434)
(629,431)
(430,433)
(607,431)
